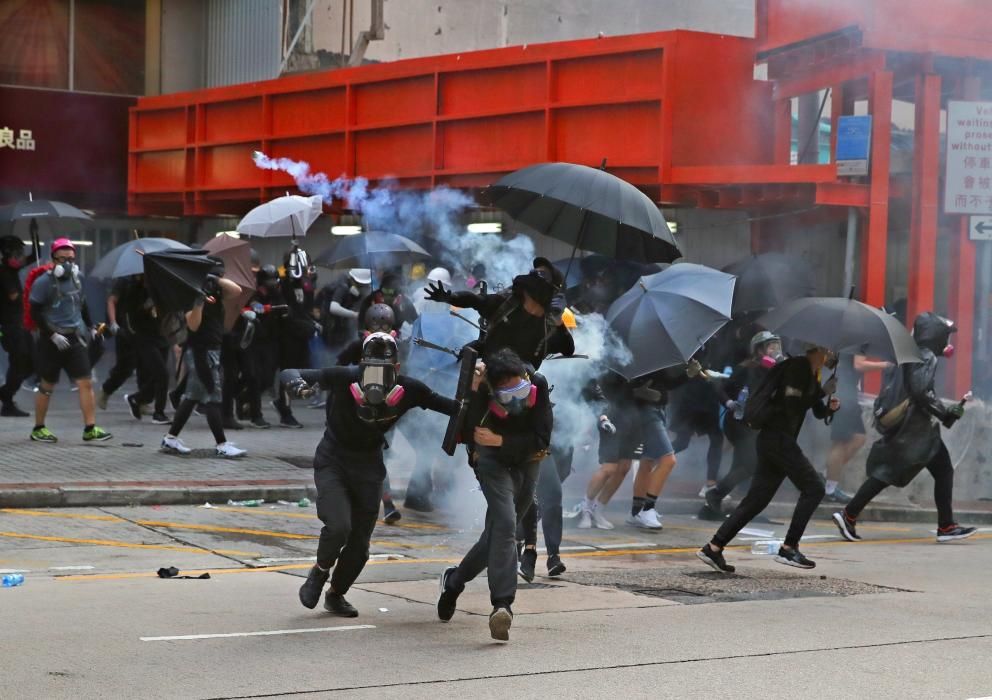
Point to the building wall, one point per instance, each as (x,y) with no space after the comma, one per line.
(183,27)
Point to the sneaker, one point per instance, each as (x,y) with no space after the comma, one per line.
(599,521)
(793,557)
(96,434)
(101,400)
(336,604)
(159,418)
(259,423)
(446,598)
(715,560)
(133,405)
(646,519)
(585,519)
(174,445)
(312,588)
(11,410)
(417,502)
(391,516)
(555,565)
(573,512)
(231,424)
(230,450)
(500,620)
(954,532)
(43,434)
(837,496)
(289,422)
(706,489)
(714,501)
(847,527)
(527,564)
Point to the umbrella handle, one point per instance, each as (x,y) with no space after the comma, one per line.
(35,242)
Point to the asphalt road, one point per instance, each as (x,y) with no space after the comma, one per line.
(636,615)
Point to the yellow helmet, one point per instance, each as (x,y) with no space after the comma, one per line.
(568,318)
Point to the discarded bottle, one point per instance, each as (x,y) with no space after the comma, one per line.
(11,580)
(253,503)
(741,400)
(765,546)
(304,502)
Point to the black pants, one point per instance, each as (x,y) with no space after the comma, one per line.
(779,457)
(124,364)
(18,345)
(509,492)
(237,376)
(348,488)
(552,473)
(713,455)
(940,469)
(744,460)
(152,359)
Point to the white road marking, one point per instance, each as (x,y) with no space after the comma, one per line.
(268,633)
(280,560)
(70,568)
(755,532)
(15,571)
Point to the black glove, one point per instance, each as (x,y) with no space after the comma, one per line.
(437,292)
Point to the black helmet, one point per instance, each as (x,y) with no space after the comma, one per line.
(933,332)
(11,246)
(267,276)
(537,287)
(379,318)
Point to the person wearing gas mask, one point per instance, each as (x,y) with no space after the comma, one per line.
(364,403)
(15,339)
(298,324)
(909,416)
(520,318)
(510,407)
(337,305)
(766,352)
(202,359)
(795,391)
(58,310)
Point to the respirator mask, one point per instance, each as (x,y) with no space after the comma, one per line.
(376,387)
(514,400)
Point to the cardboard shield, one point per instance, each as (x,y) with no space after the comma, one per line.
(452,436)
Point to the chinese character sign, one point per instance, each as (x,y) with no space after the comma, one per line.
(24,141)
(968,179)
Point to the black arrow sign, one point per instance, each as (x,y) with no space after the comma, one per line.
(983,227)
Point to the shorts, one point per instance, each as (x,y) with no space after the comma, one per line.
(654,432)
(75,360)
(621,445)
(847,422)
(196,390)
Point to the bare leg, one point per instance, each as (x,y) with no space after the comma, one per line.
(659,476)
(87,403)
(41,400)
(600,479)
(840,454)
(617,478)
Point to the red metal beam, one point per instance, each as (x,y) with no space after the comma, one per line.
(753,174)
(876,240)
(856,66)
(842,194)
(923,225)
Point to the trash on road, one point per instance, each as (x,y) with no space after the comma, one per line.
(383,609)
(251,503)
(207,505)
(765,546)
(11,580)
(173,572)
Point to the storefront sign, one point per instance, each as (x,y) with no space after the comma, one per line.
(24,141)
(968,177)
(853,145)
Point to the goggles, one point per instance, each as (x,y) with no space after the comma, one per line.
(520,392)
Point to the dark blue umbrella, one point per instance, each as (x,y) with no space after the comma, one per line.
(436,368)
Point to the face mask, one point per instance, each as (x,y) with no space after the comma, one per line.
(470,281)
(513,400)
(65,269)
(768,361)
(948,351)
(15,263)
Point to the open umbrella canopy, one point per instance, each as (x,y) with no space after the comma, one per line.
(236,255)
(436,368)
(289,216)
(842,324)
(128,259)
(626,272)
(588,208)
(372,249)
(666,317)
(769,280)
(41,217)
(175,278)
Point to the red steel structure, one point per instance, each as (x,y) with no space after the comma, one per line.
(677,113)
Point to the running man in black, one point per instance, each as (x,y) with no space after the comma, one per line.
(364,402)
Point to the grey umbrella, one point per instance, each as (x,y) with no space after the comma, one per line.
(37,216)
(587,207)
(128,259)
(769,280)
(289,216)
(666,317)
(372,249)
(842,324)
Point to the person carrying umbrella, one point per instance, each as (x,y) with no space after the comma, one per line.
(794,390)
(202,359)
(15,339)
(909,415)
(58,310)
(336,306)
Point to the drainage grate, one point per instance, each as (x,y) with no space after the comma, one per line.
(536,585)
(666,592)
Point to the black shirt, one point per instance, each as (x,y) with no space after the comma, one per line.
(210,334)
(344,427)
(798,392)
(11,310)
(525,435)
(134,307)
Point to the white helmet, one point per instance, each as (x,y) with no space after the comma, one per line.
(439,274)
(360,275)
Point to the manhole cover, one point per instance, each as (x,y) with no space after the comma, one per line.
(535,586)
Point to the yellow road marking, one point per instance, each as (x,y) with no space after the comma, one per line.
(129,545)
(313,516)
(218,528)
(72,516)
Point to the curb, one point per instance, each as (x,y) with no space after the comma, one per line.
(156,495)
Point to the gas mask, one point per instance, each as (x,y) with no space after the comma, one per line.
(376,390)
(66,269)
(514,400)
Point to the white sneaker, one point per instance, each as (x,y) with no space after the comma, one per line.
(228,449)
(573,512)
(585,520)
(646,519)
(600,522)
(174,444)
(706,488)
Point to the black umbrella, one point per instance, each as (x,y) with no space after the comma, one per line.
(843,324)
(126,259)
(587,207)
(769,280)
(372,249)
(36,216)
(175,279)
(625,272)
(666,317)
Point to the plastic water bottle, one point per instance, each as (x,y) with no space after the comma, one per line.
(741,400)
(766,546)
(254,503)
(11,580)
(304,502)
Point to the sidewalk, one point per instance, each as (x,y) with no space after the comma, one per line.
(131,470)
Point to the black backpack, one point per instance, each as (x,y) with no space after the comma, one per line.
(892,403)
(761,402)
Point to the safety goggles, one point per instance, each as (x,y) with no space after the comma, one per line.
(520,391)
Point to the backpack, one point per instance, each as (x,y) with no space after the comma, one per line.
(892,402)
(35,273)
(761,401)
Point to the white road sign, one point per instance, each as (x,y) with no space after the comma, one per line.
(968,181)
(980,228)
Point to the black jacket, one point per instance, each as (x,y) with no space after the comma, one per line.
(526,436)
(799,391)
